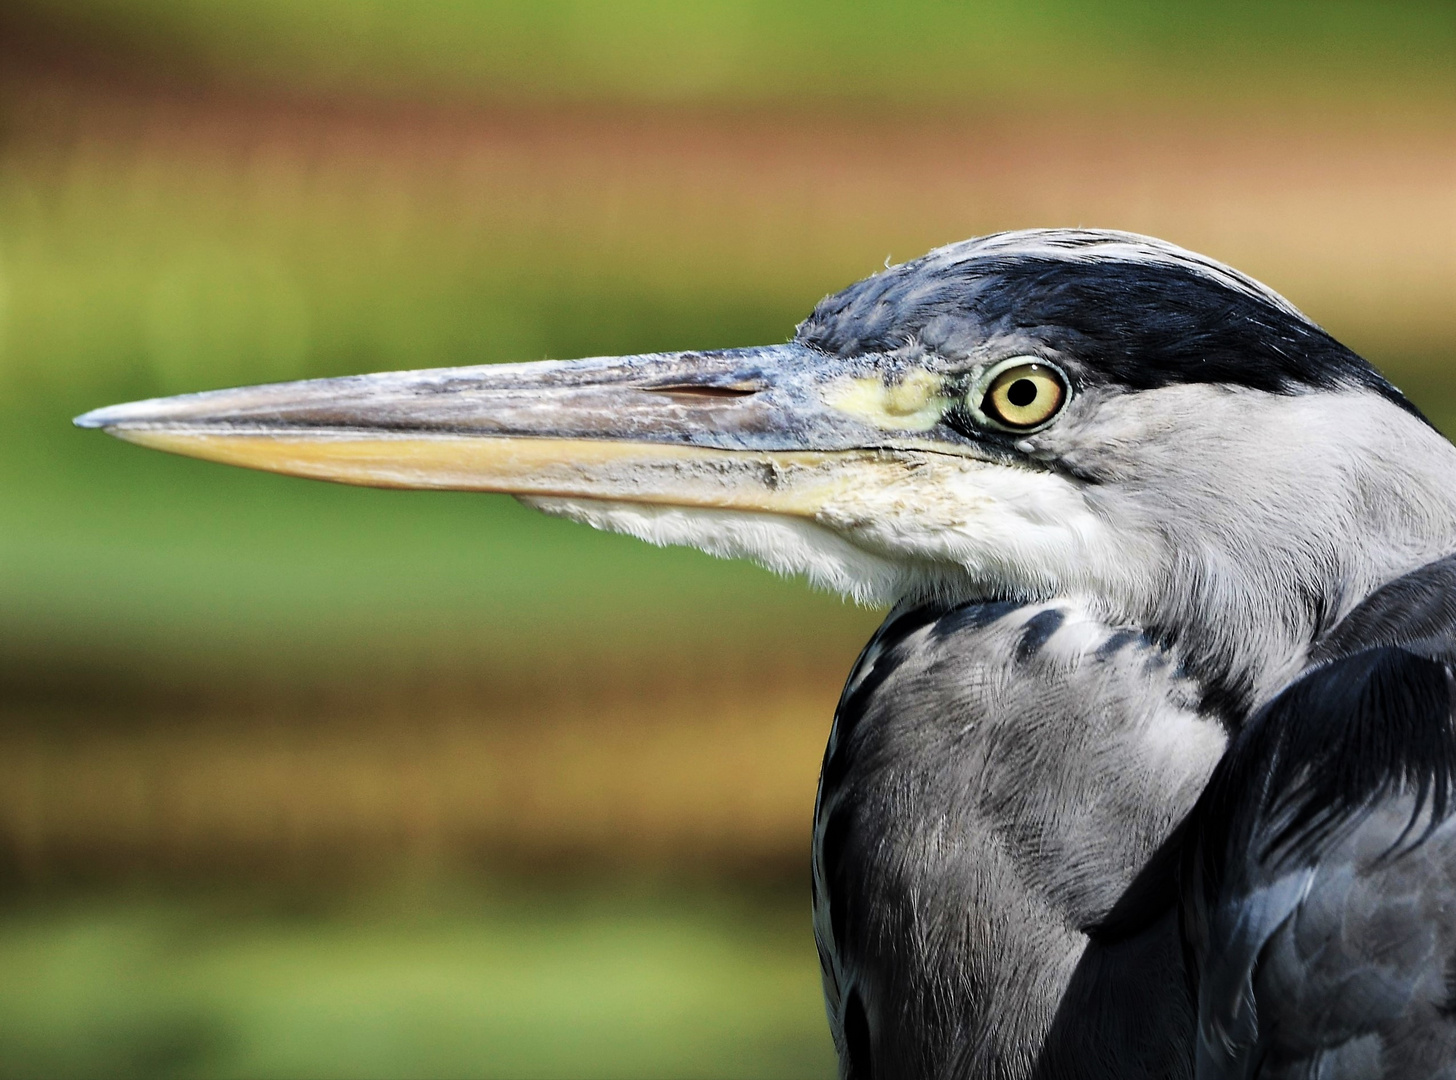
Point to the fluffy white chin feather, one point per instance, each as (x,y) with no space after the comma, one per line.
(785,545)
(943,526)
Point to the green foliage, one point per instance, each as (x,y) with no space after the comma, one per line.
(802,50)
(554,985)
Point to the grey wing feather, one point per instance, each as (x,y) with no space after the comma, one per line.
(1354,982)
(1239,931)
(1320,879)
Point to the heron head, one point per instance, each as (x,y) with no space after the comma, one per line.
(1028,414)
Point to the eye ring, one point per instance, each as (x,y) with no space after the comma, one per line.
(1020,394)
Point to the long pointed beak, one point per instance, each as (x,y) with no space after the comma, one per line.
(765,429)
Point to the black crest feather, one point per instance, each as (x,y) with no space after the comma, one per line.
(1126,310)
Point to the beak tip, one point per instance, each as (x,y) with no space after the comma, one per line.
(112,417)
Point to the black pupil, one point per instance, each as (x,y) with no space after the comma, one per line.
(1021,393)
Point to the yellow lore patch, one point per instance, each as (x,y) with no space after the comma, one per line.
(915,403)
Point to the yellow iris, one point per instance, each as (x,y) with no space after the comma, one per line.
(1024,396)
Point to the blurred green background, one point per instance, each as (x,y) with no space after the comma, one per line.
(298,780)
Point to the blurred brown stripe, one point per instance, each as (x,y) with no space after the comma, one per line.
(688,776)
(1353,216)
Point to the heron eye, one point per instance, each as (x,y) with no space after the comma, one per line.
(1024,395)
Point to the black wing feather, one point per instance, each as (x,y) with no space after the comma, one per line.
(1419,607)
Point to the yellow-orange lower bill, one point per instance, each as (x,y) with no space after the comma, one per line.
(792,483)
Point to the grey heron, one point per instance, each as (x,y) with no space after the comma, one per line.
(1140,523)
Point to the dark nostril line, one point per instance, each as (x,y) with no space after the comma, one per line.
(702,390)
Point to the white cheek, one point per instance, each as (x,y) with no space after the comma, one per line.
(1006,528)
(949,526)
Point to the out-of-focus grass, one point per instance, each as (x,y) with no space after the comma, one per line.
(424,985)
(924,51)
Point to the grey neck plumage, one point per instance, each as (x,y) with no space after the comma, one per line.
(1247,551)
